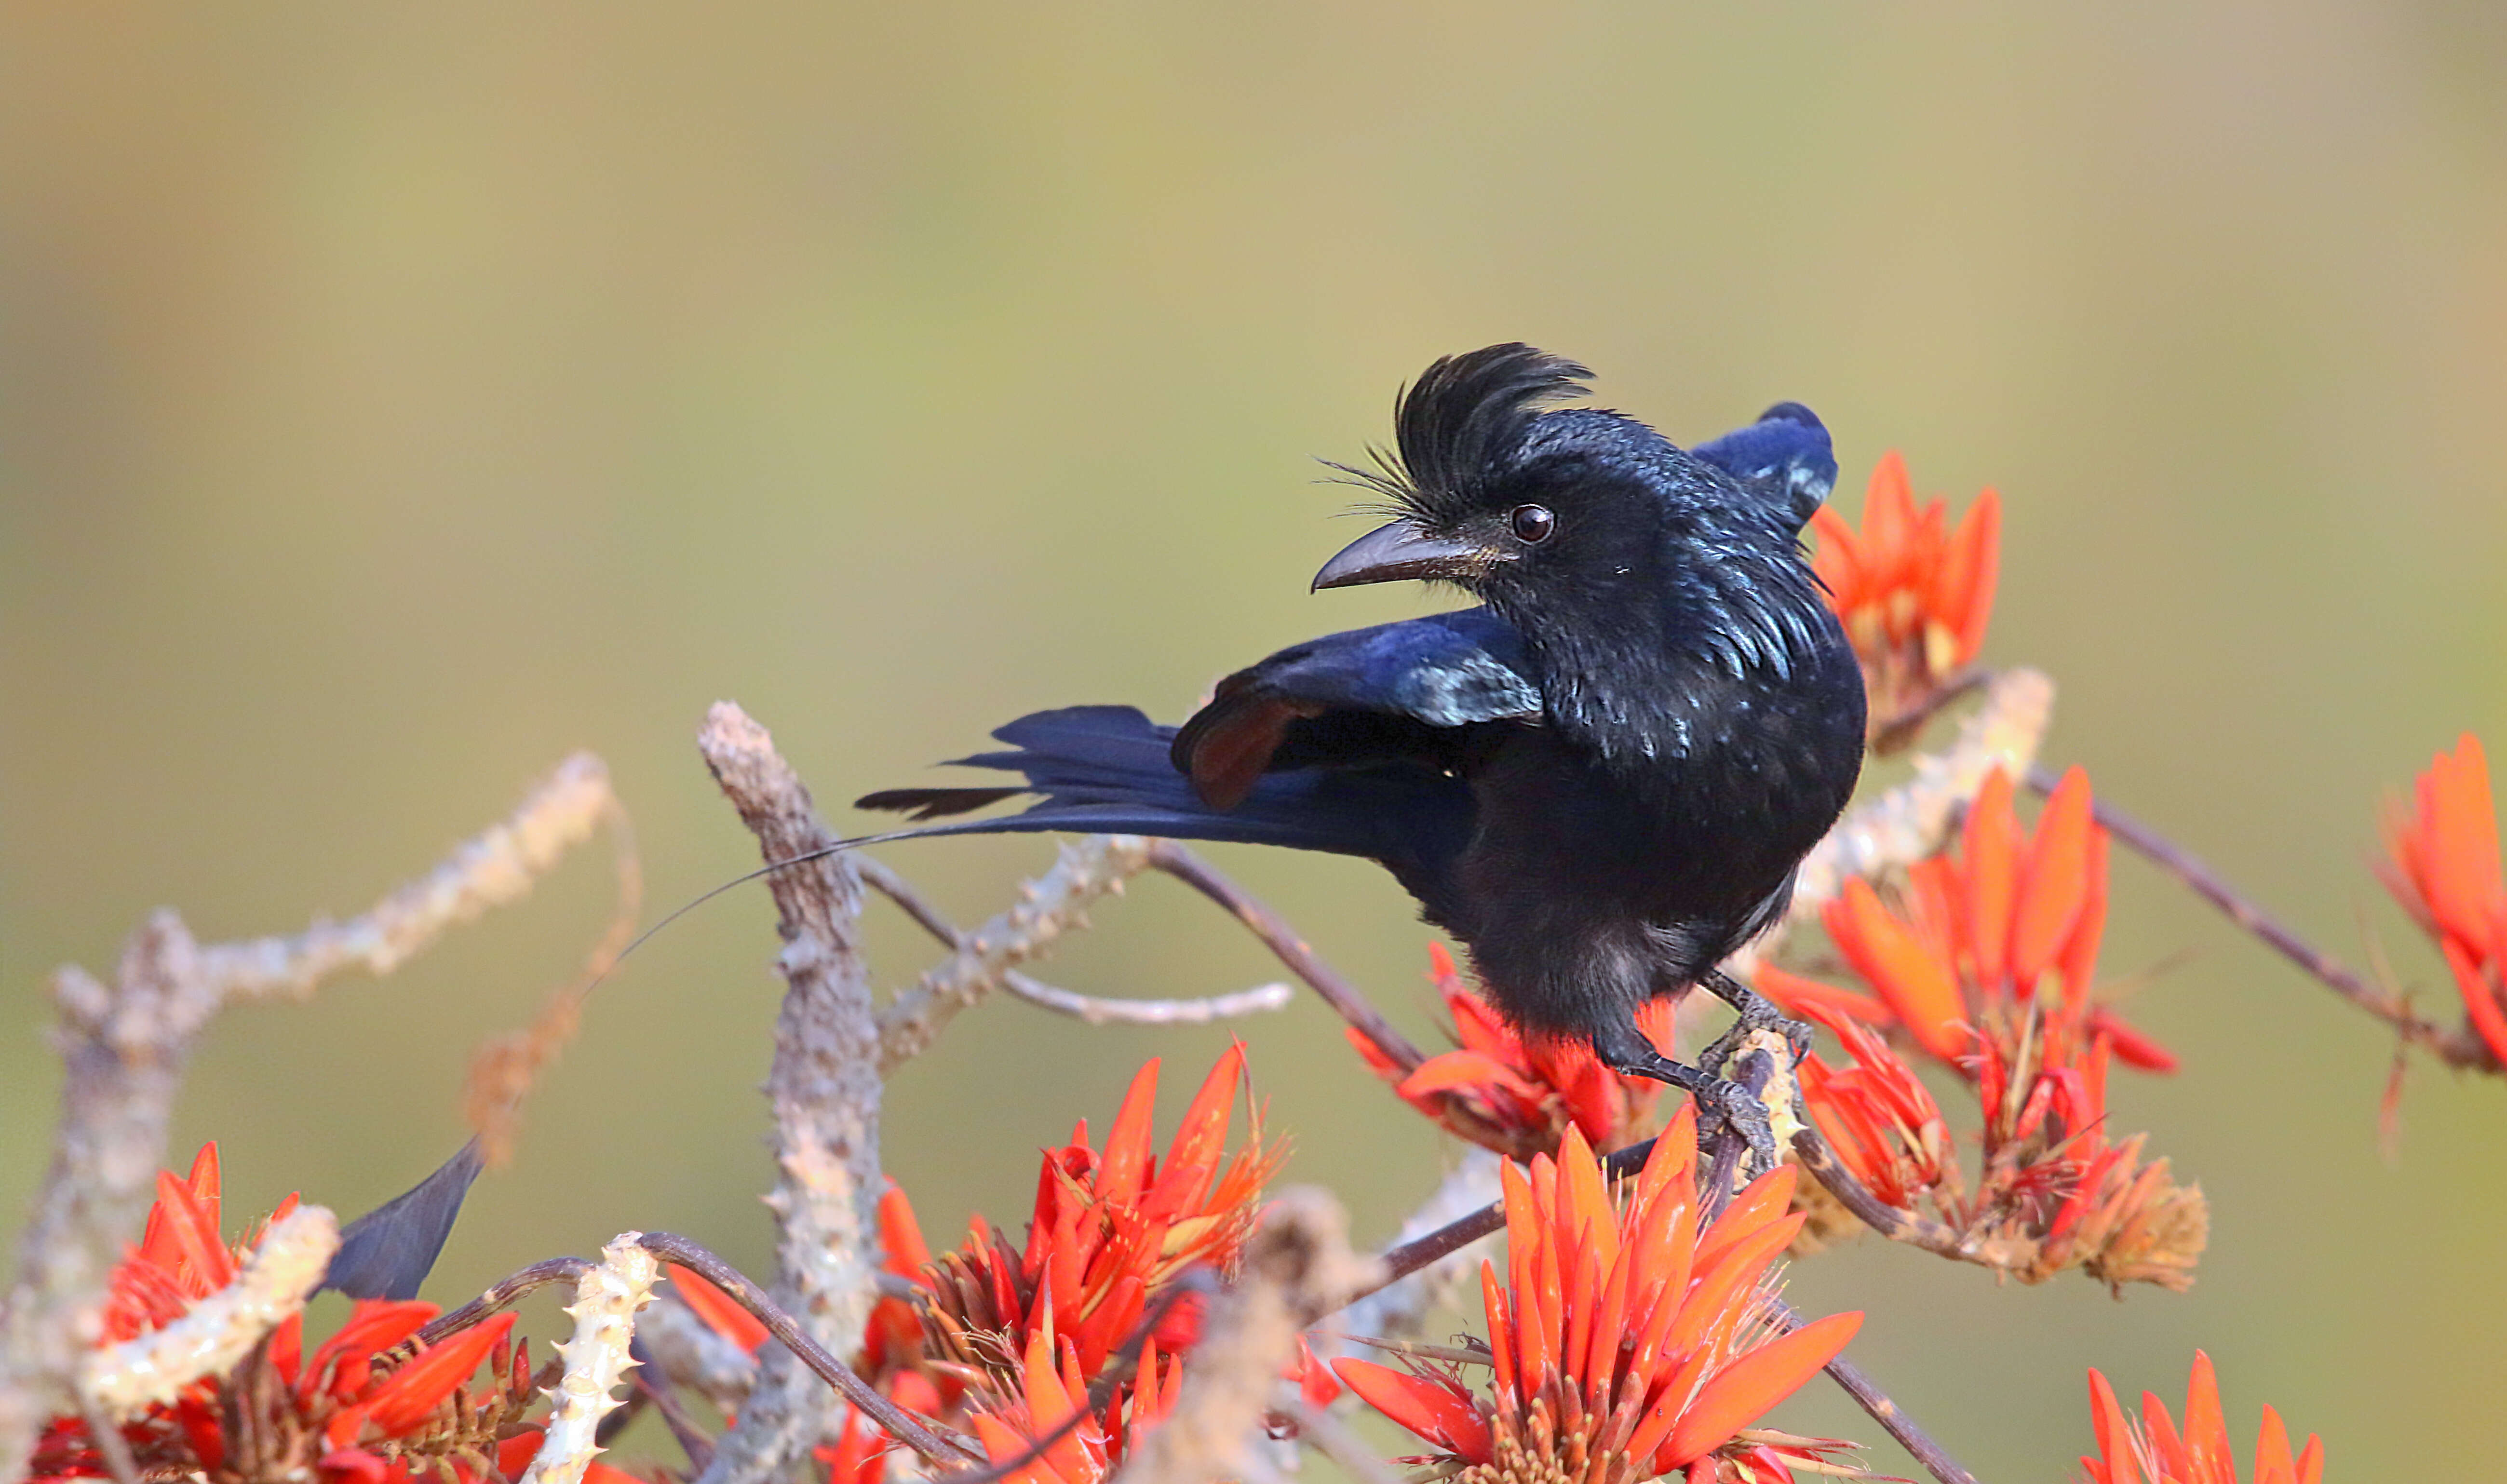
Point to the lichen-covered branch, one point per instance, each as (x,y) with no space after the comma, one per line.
(1298,1266)
(216,1333)
(605,1300)
(126,1046)
(1050,906)
(824,1089)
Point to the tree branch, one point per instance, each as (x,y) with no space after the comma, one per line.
(2459,1047)
(1093,1009)
(1289,949)
(824,1089)
(126,1048)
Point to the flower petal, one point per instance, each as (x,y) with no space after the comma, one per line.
(1741,1391)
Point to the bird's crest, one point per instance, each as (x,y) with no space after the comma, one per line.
(1460,422)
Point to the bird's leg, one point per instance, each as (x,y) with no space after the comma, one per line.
(1757,1013)
(1623,1049)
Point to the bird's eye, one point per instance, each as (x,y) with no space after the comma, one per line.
(1532,524)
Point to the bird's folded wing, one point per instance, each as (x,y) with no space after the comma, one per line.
(1393,693)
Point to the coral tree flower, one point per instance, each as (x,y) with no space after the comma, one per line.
(2000,938)
(2442,867)
(2152,1451)
(1516,1095)
(1626,1341)
(373,1404)
(1914,593)
(1024,1331)
(1985,966)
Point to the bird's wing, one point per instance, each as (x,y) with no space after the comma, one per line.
(1394,692)
(1786,454)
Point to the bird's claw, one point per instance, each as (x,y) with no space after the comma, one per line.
(1719,1052)
(1737,1108)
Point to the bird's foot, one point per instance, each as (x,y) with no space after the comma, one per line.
(1722,1104)
(1756,1013)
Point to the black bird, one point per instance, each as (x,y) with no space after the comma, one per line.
(1600,780)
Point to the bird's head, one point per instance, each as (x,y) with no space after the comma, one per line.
(1534,509)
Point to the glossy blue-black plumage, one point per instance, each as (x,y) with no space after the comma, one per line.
(1602,779)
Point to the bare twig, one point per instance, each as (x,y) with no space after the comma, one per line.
(504,1069)
(1858,1384)
(2002,1254)
(901,1424)
(824,1089)
(686,1350)
(503,1295)
(1402,1305)
(1048,906)
(605,1300)
(1093,1009)
(2459,1047)
(1297,1262)
(1289,949)
(126,1047)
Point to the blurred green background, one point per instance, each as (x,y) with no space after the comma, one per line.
(394,398)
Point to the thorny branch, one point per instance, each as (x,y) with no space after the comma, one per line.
(824,1088)
(606,1297)
(1093,1009)
(2459,1047)
(126,1046)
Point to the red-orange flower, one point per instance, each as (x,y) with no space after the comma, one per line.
(2152,1451)
(1914,593)
(371,1405)
(1513,1094)
(1626,1342)
(2002,937)
(1050,1392)
(1111,1231)
(2444,868)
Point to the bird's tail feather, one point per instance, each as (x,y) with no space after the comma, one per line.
(1105,768)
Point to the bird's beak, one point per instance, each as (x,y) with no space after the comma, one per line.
(1399,551)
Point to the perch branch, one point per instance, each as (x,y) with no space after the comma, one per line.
(1093,1009)
(126,1046)
(824,1089)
